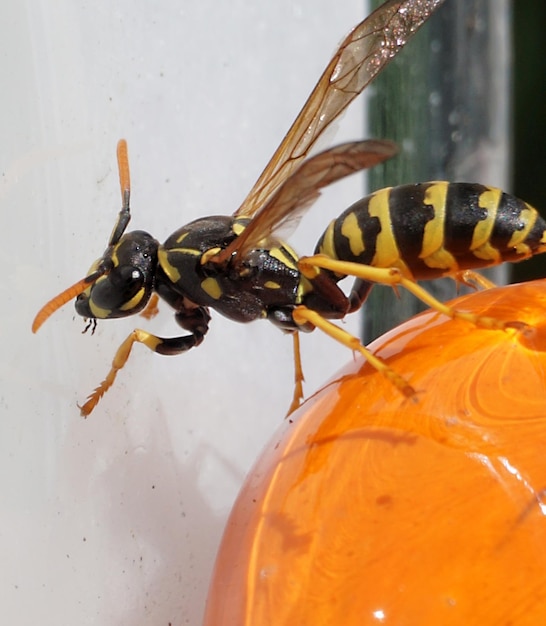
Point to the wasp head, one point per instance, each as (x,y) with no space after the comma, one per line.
(126,276)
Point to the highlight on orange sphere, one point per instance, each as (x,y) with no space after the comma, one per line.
(368,508)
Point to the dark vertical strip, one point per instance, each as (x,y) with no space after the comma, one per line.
(529,120)
(445,100)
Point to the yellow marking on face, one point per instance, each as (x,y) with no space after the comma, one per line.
(351,230)
(271,284)
(134,301)
(211,287)
(114,256)
(172,272)
(386,250)
(433,233)
(98,311)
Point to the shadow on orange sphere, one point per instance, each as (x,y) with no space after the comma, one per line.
(367,508)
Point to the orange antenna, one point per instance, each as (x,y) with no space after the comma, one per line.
(124,175)
(123,219)
(125,186)
(65,296)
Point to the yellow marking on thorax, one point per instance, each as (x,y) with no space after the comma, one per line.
(271,284)
(206,256)
(238,227)
(180,250)
(286,256)
(351,230)
(211,287)
(433,234)
(172,272)
(386,250)
(304,287)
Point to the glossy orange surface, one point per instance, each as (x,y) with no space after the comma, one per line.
(371,509)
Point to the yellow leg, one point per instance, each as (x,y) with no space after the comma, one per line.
(473,279)
(120,359)
(151,309)
(302,315)
(394,277)
(298,375)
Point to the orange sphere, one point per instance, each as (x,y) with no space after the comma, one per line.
(368,508)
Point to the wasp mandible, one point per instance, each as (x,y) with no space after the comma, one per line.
(238,267)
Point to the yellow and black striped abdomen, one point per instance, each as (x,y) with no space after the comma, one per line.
(435,229)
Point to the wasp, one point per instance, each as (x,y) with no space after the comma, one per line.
(237,266)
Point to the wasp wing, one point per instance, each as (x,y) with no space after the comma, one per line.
(359,58)
(302,187)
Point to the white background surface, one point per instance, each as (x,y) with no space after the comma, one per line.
(116,519)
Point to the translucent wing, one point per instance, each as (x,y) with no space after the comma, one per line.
(302,187)
(360,57)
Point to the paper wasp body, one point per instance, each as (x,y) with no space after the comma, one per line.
(238,267)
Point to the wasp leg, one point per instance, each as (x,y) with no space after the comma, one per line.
(282,317)
(393,276)
(161,345)
(304,315)
(151,309)
(359,293)
(298,375)
(195,320)
(469,278)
